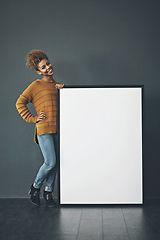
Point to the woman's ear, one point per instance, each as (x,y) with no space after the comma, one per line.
(38,72)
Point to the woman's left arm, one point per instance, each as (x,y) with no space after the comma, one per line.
(59,85)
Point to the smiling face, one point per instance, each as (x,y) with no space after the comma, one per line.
(45,68)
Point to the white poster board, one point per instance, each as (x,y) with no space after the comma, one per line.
(101,145)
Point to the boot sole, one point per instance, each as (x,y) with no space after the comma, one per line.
(34,203)
(50,206)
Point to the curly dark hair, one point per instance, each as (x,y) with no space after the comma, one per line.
(34,57)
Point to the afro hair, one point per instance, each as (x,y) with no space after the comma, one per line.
(34,57)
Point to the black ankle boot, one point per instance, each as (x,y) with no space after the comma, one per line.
(48,199)
(34,195)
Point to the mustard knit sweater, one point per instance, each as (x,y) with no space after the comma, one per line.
(43,96)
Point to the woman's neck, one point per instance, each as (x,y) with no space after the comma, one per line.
(47,79)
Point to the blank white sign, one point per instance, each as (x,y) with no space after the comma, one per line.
(101,145)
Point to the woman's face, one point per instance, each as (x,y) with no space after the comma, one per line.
(45,68)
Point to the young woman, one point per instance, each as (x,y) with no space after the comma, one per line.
(42,93)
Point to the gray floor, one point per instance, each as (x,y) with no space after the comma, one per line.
(19,219)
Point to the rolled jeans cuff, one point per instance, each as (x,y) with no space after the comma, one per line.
(48,189)
(35,185)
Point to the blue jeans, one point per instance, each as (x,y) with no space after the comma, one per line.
(48,169)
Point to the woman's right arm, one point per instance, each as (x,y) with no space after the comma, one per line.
(22,108)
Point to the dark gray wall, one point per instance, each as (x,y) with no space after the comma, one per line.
(89,42)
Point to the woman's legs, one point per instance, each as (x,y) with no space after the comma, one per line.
(48,169)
